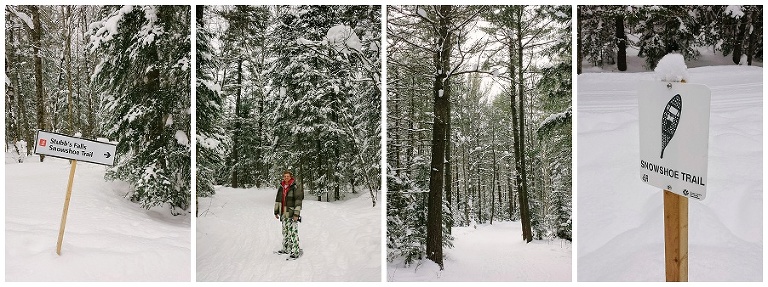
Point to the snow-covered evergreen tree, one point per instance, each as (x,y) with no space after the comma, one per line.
(666,29)
(143,76)
(554,130)
(209,110)
(316,81)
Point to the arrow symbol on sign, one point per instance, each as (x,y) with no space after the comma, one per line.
(107,154)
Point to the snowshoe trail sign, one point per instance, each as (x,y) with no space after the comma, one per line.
(76,149)
(61,146)
(674,137)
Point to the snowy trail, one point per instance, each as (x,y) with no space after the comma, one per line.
(493,253)
(107,238)
(620,221)
(237,234)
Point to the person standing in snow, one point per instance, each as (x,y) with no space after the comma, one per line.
(288,210)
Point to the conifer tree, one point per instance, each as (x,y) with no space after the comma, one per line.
(144,76)
(209,107)
(315,81)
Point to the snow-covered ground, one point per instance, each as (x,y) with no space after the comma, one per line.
(107,238)
(619,223)
(492,253)
(237,234)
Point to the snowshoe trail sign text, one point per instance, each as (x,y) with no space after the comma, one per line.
(674,137)
(58,145)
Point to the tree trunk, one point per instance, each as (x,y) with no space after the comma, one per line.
(498,193)
(458,192)
(12,122)
(738,42)
(511,196)
(513,109)
(447,161)
(91,118)
(465,180)
(495,172)
(238,133)
(12,117)
(24,130)
(79,106)
(411,153)
(56,117)
(752,38)
(437,173)
(37,34)
(579,48)
(68,51)
(260,166)
(199,14)
(479,189)
(524,210)
(334,174)
(621,42)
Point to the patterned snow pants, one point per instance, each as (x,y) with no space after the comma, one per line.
(290,236)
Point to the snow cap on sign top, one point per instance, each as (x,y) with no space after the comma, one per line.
(672,68)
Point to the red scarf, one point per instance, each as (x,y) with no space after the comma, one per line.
(286,186)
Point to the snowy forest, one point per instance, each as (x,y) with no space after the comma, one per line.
(478,124)
(289,87)
(113,73)
(606,32)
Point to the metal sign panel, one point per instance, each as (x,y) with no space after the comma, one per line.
(674,137)
(62,146)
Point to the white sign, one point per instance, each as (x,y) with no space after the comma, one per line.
(58,145)
(674,137)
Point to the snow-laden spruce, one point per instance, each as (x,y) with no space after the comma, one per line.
(209,112)
(147,100)
(324,105)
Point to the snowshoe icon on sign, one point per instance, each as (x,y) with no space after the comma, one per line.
(669,120)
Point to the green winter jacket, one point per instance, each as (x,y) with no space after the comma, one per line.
(292,201)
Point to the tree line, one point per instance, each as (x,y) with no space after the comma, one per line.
(604,32)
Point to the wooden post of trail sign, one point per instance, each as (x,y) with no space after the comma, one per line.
(674,142)
(675,237)
(66,207)
(75,149)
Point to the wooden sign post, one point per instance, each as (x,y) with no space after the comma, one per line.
(676,237)
(66,207)
(75,149)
